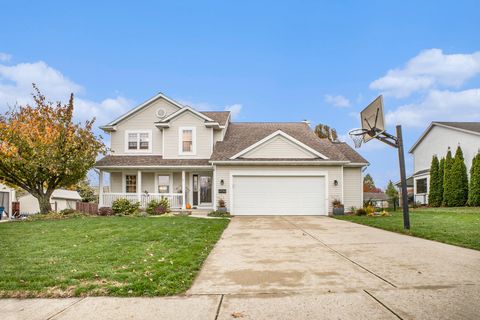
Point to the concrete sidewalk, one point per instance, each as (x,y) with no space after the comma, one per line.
(301,268)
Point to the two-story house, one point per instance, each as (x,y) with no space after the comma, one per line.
(437,138)
(162,148)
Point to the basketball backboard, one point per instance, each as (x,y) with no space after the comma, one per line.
(373,119)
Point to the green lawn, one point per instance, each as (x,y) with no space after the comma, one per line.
(119,256)
(458,226)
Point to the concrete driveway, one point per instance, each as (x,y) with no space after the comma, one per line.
(300,268)
(319,267)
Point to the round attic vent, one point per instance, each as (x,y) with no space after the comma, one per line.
(161,113)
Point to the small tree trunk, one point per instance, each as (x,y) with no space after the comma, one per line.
(44,202)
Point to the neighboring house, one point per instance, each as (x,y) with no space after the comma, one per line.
(7,196)
(436,140)
(162,148)
(61,199)
(378,199)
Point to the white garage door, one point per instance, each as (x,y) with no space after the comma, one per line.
(278,195)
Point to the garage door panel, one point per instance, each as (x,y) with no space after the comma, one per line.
(278,195)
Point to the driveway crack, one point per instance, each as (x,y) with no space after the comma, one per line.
(219,306)
(383,305)
(69,306)
(339,253)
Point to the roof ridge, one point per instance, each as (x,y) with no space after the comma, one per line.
(265,122)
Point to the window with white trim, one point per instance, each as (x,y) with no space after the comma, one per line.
(138,141)
(421,185)
(187,141)
(130,183)
(163,184)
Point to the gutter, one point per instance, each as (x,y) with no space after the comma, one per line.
(282,162)
(155,167)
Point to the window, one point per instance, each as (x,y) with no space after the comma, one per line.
(187,141)
(163,184)
(421,185)
(144,141)
(131,183)
(138,141)
(132,141)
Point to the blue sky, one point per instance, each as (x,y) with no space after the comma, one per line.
(270,60)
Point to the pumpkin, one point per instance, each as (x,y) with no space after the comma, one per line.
(188,206)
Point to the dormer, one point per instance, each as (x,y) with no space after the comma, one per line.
(189,134)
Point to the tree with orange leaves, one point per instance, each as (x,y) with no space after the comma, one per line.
(41,149)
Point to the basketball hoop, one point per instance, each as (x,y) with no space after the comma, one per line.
(357,136)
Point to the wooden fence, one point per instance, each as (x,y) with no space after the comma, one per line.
(87,207)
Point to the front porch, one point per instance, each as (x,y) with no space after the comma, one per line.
(193,186)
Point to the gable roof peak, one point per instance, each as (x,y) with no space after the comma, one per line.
(468,127)
(141,106)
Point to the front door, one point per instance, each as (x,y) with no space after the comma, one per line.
(205,189)
(195,189)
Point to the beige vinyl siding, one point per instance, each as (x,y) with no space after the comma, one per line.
(203,139)
(148,182)
(333,172)
(116,182)
(279,147)
(437,141)
(217,136)
(352,187)
(142,120)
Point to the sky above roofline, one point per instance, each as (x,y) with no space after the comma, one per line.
(268,61)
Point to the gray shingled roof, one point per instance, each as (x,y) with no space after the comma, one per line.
(420,172)
(241,135)
(219,116)
(350,153)
(470,126)
(146,160)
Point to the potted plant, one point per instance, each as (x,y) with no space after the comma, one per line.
(221,206)
(338,208)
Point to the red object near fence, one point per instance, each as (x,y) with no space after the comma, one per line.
(87,207)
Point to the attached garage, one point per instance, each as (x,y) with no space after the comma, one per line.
(279,195)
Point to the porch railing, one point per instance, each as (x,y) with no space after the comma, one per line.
(175,199)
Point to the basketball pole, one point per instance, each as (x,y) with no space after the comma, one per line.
(403,178)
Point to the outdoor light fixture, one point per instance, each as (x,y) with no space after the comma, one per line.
(335,182)
(222,182)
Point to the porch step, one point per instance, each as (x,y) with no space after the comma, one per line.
(193,212)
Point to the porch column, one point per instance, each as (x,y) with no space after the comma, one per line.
(139,186)
(100,189)
(183,190)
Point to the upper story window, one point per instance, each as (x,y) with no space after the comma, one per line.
(187,139)
(138,141)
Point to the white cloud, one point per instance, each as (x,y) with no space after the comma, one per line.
(103,111)
(438,106)
(234,109)
(429,69)
(5,57)
(337,101)
(16,88)
(371,145)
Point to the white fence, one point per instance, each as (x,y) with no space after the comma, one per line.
(175,199)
